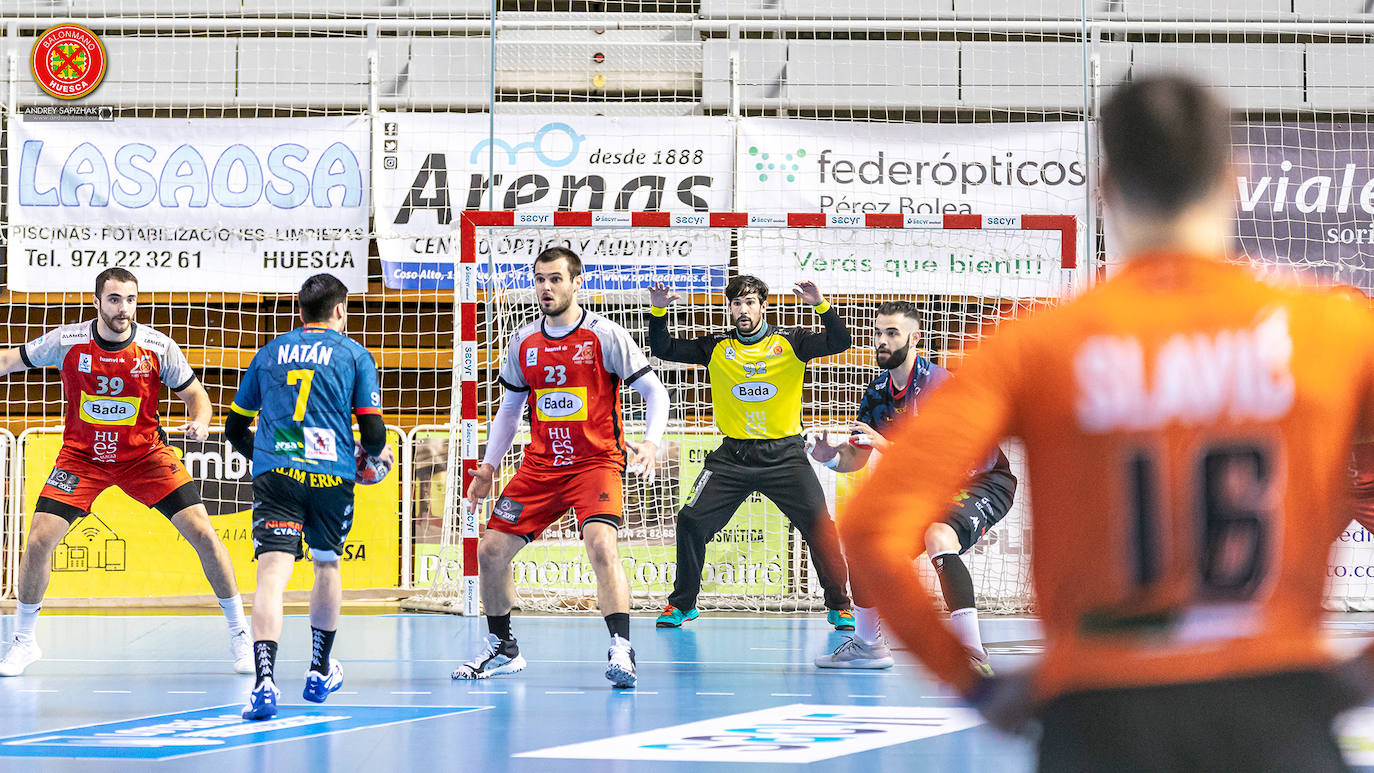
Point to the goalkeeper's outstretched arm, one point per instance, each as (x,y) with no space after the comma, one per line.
(12,361)
(696,351)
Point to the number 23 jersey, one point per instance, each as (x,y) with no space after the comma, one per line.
(573,379)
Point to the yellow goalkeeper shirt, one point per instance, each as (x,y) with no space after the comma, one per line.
(756,388)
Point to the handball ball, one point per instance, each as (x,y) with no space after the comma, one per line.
(371,469)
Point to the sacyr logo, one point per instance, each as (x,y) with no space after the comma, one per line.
(755,391)
(545,142)
(768,163)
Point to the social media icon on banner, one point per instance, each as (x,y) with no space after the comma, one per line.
(389,129)
(389,146)
(389,162)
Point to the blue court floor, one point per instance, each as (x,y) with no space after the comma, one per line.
(97,700)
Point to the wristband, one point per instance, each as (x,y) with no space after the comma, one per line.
(822,307)
(658,312)
(834,462)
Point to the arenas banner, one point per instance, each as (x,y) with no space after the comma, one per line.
(844,168)
(1306,194)
(431,167)
(188,204)
(125,549)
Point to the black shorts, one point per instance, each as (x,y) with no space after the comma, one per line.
(977,509)
(1260,724)
(291,504)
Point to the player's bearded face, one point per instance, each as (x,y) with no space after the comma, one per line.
(746,313)
(891,358)
(116,305)
(892,339)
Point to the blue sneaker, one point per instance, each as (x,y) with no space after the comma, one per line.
(673,617)
(842,619)
(262,702)
(318,686)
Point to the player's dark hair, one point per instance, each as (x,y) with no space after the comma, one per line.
(745,284)
(1167,141)
(117,274)
(905,308)
(562,253)
(319,295)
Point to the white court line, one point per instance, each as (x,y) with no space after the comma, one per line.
(411,692)
(486,692)
(347,692)
(854,695)
(112,692)
(792,695)
(37,691)
(565,692)
(715,693)
(185,692)
(638,692)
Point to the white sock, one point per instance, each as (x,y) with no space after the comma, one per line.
(965,624)
(233,613)
(866,624)
(25,618)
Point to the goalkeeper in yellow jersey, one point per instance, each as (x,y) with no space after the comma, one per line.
(756,371)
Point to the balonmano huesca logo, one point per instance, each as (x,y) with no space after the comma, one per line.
(68,61)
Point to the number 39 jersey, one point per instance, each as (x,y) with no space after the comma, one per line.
(111,389)
(573,379)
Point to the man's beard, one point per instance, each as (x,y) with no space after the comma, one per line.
(753,326)
(110,321)
(895,358)
(554,311)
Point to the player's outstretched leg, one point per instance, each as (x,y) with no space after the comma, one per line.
(613,597)
(325,674)
(194,524)
(45,531)
(957,585)
(500,654)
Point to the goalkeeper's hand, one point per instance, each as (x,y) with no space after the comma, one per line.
(643,459)
(661,296)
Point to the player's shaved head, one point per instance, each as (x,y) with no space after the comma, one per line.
(1167,141)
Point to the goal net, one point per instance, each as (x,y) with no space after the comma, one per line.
(967,273)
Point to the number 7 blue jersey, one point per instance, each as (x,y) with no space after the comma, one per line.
(304,387)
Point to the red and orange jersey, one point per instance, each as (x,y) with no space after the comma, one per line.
(573,379)
(1187,430)
(111,389)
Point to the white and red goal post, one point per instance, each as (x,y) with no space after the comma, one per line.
(772,572)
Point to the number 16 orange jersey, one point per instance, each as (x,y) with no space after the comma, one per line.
(1187,429)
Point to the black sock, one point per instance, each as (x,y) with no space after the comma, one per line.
(500,625)
(321,641)
(955,581)
(618,624)
(265,656)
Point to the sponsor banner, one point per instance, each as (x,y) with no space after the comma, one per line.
(125,549)
(213,729)
(921,171)
(433,166)
(748,556)
(188,204)
(795,734)
(1306,197)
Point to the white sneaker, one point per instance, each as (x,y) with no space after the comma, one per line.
(497,657)
(22,653)
(854,652)
(620,663)
(241,649)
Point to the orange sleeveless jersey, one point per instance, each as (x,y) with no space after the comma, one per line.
(1187,429)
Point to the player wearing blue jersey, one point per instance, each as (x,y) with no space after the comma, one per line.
(304,388)
(907,379)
